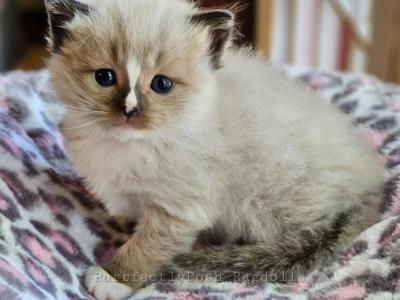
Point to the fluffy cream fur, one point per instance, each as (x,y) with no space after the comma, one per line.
(241,149)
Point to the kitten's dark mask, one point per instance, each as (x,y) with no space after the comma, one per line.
(160,84)
(119,75)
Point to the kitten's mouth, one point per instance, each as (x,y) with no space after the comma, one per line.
(126,123)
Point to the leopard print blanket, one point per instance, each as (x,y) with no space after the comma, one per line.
(52,228)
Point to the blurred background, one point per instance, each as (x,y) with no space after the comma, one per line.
(346,35)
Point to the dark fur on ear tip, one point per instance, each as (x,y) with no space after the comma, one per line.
(221,25)
(218,18)
(59,13)
(67,4)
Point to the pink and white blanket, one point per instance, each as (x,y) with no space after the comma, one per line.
(51,228)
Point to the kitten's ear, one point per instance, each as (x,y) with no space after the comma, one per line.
(60,12)
(221,24)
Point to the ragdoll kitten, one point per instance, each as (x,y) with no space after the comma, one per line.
(172,126)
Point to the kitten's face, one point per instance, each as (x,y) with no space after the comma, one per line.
(130,67)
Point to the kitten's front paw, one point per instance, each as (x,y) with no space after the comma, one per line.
(105,287)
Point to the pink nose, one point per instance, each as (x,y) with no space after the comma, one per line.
(131,108)
(131,113)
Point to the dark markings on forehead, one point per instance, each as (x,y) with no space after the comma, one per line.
(122,91)
(140,97)
(119,55)
(114,52)
(118,52)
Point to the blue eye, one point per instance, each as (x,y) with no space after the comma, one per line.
(161,84)
(105,77)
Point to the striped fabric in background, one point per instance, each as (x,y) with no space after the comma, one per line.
(327,34)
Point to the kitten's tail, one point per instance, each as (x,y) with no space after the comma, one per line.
(287,259)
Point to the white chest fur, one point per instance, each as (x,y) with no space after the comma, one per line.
(126,176)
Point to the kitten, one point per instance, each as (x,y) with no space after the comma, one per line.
(171,125)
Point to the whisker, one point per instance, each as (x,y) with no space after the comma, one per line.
(92,113)
(82,125)
(96,130)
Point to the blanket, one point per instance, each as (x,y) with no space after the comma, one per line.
(52,228)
